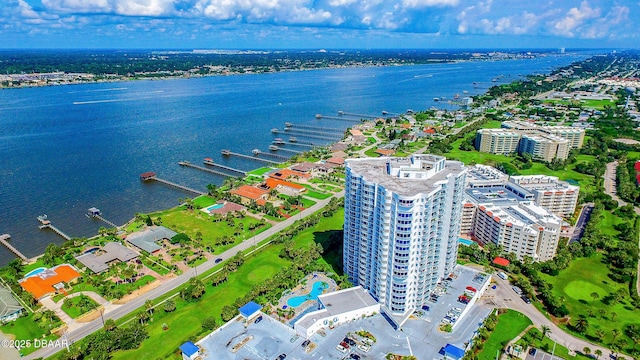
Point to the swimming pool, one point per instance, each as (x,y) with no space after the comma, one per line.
(318,286)
(465,241)
(35,272)
(215,207)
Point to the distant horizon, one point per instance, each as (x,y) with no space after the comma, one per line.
(329,49)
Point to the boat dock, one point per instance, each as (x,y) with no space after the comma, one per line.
(358,115)
(320,116)
(229,153)
(313,136)
(310,127)
(302,143)
(208,161)
(201,168)
(3,240)
(151,176)
(293,131)
(46,224)
(94,213)
(289,150)
(257,152)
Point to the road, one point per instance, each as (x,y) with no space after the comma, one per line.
(172,284)
(583,219)
(504,296)
(610,189)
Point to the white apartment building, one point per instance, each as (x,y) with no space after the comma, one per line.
(557,196)
(544,147)
(497,141)
(402,220)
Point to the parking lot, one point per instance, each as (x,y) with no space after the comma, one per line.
(419,336)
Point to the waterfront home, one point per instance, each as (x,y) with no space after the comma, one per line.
(146,240)
(249,194)
(111,253)
(285,187)
(50,281)
(10,308)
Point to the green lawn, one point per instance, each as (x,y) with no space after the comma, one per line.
(592,275)
(509,325)
(75,310)
(598,104)
(25,328)
(607,223)
(316,195)
(259,172)
(203,201)
(185,322)
(191,222)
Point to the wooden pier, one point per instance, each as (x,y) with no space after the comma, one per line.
(95,213)
(292,125)
(46,224)
(201,168)
(320,116)
(266,153)
(208,161)
(151,176)
(312,136)
(295,131)
(302,143)
(357,115)
(289,150)
(3,240)
(230,153)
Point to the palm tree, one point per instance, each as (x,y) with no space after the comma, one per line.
(602,312)
(595,296)
(149,306)
(545,331)
(600,333)
(613,316)
(614,334)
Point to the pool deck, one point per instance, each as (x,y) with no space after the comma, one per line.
(304,288)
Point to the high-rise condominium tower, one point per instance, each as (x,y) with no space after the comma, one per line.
(402,219)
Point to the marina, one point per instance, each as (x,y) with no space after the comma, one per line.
(231,153)
(201,168)
(3,240)
(209,161)
(95,213)
(45,223)
(151,176)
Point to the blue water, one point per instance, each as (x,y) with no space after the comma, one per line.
(35,272)
(318,286)
(465,241)
(65,149)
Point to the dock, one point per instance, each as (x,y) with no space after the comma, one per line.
(313,136)
(289,150)
(95,213)
(358,115)
(310,127)
(230,153)
(201,168)
(3,240)
(46,224)
(302,143)
(208,161)
(320,116)
(295,131)
(269,154)
(151,176)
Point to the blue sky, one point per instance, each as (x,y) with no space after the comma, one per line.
(263,24)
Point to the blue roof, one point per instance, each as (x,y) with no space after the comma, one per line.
(189,348)
(452,351)
(249,309)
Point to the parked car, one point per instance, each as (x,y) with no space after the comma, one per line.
(526,299)
(364,348)
(341,348)
(344,345)
(350,341)
(305,343)
(218,260)
(533,351)
(355,356)
(281,357)
(258,319)
(502,275)
(517,290)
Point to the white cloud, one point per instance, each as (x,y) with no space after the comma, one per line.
(575,17)
(415,4)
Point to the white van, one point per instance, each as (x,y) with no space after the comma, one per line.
(502,276)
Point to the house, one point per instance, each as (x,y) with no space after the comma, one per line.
(10,308)
(147,239)
(110,253)
(337,161)
(50,281)
(385,152)
(284,187)
(248,194)
(284,174)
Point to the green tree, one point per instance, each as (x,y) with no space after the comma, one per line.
(597,353)
(595,296)
(228,312)
(209,323)
(169,306)
(545,331)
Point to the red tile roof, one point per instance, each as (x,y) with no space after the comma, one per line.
(501,261)
(385,152)
(42,284)
(274,183)
(249,192)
